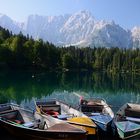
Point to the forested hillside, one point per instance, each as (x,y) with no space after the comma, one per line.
(23,52)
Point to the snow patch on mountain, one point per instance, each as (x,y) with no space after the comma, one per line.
(109,34)
(136,37)
(79,29)
(9,24)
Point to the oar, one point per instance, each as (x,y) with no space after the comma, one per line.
(78,95)
(80,98)
(34,101)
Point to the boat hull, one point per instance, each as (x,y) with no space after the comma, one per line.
(91,128)
(40,134)
(24,123)
(128,135)
(105,127)
(103,122)
(100,112)
(127,129)
(129,112)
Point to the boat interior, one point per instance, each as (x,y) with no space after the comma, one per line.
(5,108)
(92,108)
(132,111)
(21,117)
(50,108)
(12,116)
(58,109)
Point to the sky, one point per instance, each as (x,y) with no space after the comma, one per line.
(124,12)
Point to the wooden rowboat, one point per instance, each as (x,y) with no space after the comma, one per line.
(63,111)
(127,121)
(99,111)
(24,123)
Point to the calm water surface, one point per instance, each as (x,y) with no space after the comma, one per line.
(21,87)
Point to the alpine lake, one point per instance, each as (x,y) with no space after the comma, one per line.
(22,87)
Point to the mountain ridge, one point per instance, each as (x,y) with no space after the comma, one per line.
(80,29)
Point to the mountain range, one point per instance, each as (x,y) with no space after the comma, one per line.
(80,29)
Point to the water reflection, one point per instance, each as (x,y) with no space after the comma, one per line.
(22,86)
